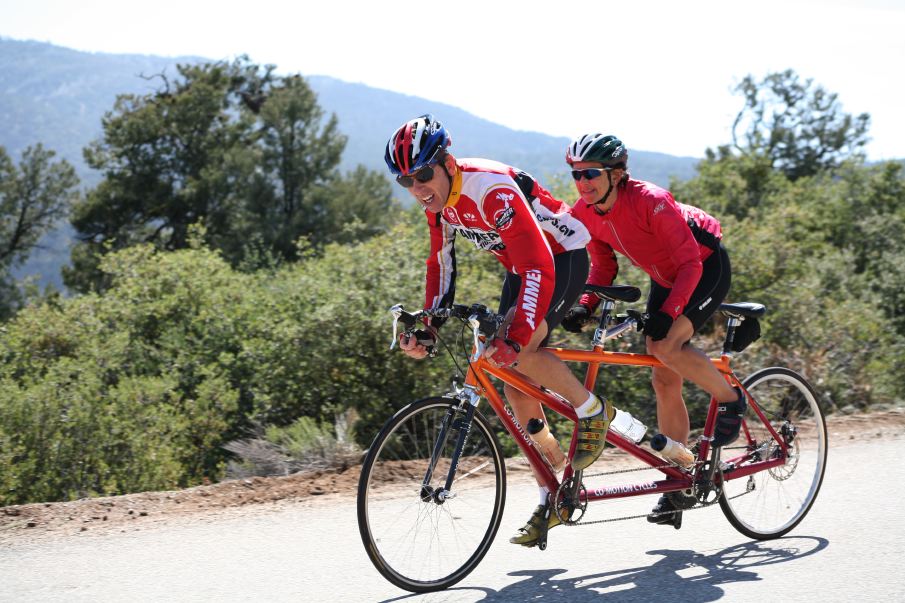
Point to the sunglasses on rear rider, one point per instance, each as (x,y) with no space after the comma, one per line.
(589,174)
(425,174)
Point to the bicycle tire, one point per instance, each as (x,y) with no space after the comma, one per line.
(422,545)
(770,503)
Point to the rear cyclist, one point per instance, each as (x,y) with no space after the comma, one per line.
(504,211)
(679,247)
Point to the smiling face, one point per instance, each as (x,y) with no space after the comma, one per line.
(592,190)
(433,194)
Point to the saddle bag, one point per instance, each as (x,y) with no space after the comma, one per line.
(745,334)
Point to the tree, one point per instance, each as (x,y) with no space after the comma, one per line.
(799,127)
(169,159)
(786,131)
(33,197)
(298,190)
(227,144)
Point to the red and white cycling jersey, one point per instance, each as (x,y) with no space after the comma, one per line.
(506,212)
(666,239)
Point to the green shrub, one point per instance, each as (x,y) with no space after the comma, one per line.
(303,445)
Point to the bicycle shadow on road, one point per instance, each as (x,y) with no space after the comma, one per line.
(686,575)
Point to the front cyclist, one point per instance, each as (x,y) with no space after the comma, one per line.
(504,211)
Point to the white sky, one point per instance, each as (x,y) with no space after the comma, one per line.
(656,73)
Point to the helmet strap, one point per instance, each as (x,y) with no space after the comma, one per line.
(606,195)
(446,173)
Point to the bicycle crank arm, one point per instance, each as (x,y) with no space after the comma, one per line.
(544,528)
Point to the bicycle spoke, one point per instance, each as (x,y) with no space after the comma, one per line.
(417,538)
(782,495)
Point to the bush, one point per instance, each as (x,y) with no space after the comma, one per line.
(140,388)
(143,386)
(304,445)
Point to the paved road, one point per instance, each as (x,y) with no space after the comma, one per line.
(850,547)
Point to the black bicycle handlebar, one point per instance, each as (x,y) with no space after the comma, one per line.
(488,321)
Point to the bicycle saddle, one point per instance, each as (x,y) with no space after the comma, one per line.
(625,293)
(749,309)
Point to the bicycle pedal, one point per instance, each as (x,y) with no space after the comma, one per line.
(682,499)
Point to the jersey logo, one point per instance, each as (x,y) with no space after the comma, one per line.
(487,241)
(469,216)
(529,297)
(660,207)
(505,197)
(563,228)
(502,218)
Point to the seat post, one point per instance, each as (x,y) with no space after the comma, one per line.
(606,307)
(731,325)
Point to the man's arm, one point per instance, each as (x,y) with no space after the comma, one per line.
(440,285)
(529,254)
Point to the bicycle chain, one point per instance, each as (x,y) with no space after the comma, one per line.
(587,523)
(645,468)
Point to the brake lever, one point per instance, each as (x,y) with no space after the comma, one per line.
(409,320)
(396,311)
(474,322)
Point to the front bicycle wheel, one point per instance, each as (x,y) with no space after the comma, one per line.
(769,503)
(419,537)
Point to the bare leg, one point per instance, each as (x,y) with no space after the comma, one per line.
(682,361)
(546,369)
(672,414)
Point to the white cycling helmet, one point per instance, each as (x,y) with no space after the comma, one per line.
(600,148)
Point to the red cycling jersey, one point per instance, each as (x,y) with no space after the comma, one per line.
(666,239)
(506,212)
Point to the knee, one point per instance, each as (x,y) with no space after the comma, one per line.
(530,360)
(664,350)
(663,380)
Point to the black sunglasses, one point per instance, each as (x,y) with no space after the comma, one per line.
(425,174)
(589,173)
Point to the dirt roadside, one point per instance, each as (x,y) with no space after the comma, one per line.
(23,523)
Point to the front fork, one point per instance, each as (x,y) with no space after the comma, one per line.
(454,421)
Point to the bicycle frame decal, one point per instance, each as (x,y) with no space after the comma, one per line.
(625,489)
(517,425)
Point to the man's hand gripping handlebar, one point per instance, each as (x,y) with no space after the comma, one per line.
(483,322)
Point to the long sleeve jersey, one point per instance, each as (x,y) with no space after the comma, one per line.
(504,211)
(667,240)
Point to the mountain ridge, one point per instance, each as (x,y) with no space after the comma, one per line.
(57,96)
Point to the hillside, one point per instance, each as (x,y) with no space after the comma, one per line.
(57,96)
(367,115)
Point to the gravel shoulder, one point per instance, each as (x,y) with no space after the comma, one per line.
(147,510)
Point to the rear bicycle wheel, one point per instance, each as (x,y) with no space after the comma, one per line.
(416,538)
(769,503)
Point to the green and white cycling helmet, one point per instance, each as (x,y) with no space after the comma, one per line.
(605,149)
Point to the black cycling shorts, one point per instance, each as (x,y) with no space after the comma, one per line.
(707,296)
(571,274)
